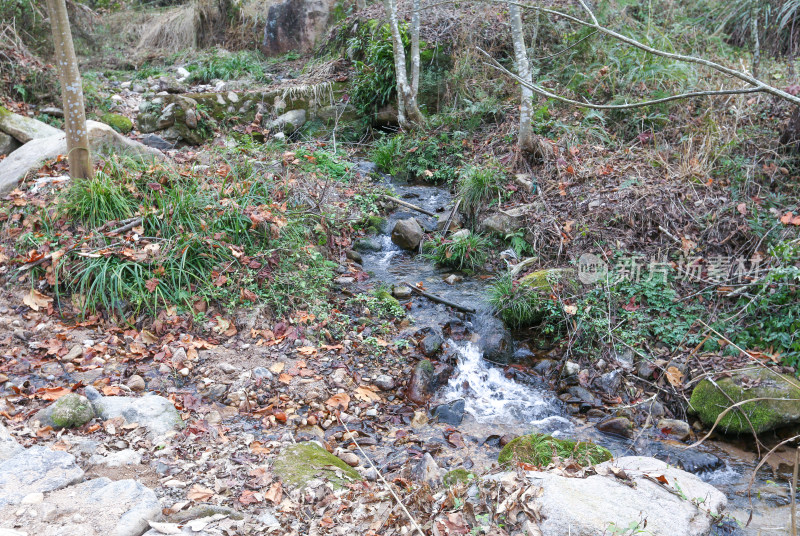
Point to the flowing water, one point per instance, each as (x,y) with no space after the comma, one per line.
(496,405)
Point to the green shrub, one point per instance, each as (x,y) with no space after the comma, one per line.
(434,158)
(374,85)
(519,305)
(223,65)
(387,154)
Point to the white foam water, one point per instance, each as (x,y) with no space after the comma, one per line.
(490,397)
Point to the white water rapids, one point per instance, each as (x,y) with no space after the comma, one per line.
(490,397)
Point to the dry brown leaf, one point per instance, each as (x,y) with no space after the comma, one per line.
(339,400)
(674,376)
(366,393)
(36,300)
(277,368)
(199,493)
(275,493)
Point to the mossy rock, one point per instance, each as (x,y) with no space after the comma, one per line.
(458,476)
(545,279)
(540,450)
(69,411)
(118,122)
(374,223)
(386,297)
(708,401)
(298,464)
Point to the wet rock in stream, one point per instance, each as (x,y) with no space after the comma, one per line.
(407,233)
(494,340)
(451,413)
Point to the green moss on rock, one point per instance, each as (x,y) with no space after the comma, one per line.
(540,450)
(69,411)
(298,464)
(118,122)
(708,401)
(458,476)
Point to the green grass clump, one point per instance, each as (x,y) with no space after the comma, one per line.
(468,253)
(222,65)
(541,450)
(98,200)
(519,305)
(478,186)
(221,240)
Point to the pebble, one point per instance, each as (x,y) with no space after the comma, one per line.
(349,458)
(571,368)
(135,383)
(184,371)
(227,368)
(74,353)
(33,498)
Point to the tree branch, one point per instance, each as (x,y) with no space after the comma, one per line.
(679,57)
(541,91)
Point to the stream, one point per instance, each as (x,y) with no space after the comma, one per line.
(496,405)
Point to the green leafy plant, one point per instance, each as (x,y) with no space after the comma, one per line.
(223,65)
(479,185)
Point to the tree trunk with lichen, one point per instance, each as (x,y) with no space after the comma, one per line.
(527,141)
(80,164)
(408,114)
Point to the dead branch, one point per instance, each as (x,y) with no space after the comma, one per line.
(550,95)
(755,82)
(409,205)
(439,299)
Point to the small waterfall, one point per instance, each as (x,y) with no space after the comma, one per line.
(490,397)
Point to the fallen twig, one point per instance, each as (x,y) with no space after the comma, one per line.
(439,299)
(517,268)
(409,205)
(128,226)
(380,476)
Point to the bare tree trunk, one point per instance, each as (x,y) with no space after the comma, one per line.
(756,42)
(527,141)
(415,47)
(80,164)
(408,113)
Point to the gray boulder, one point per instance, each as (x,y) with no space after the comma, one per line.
(156,413)
(407,233)
(8,445)
(24,129)
(69,411)
(426,471)
(96,507)
(494,340)
(294,25)
(36,470)
(600,503)
(102,138)
(289,122)
(7,143)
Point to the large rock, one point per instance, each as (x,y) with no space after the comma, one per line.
(69,411)
(494,340)
(421,382)
(781,409)
(24,129)
(407,233)
(8,445)
(604,504)
(294,25)
(289,122)
(156,413)
(298,464)
(102,139)
(36,470)
(96,507)
(8,144)
(507,221)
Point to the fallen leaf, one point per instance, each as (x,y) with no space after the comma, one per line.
(275,493)
(742,208)
(54,393)
(199,493)
(277,368)
(285,378)
(339,400)
(366,393)
(249,497)
(36,300)
(674,376)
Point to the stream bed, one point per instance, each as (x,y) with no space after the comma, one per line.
(496,405)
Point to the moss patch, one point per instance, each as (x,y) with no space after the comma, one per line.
(541,450)
(71,411)
(300,463)
(708,401)
(458,476)
(118,122)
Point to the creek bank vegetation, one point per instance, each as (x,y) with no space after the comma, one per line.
(641,263)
